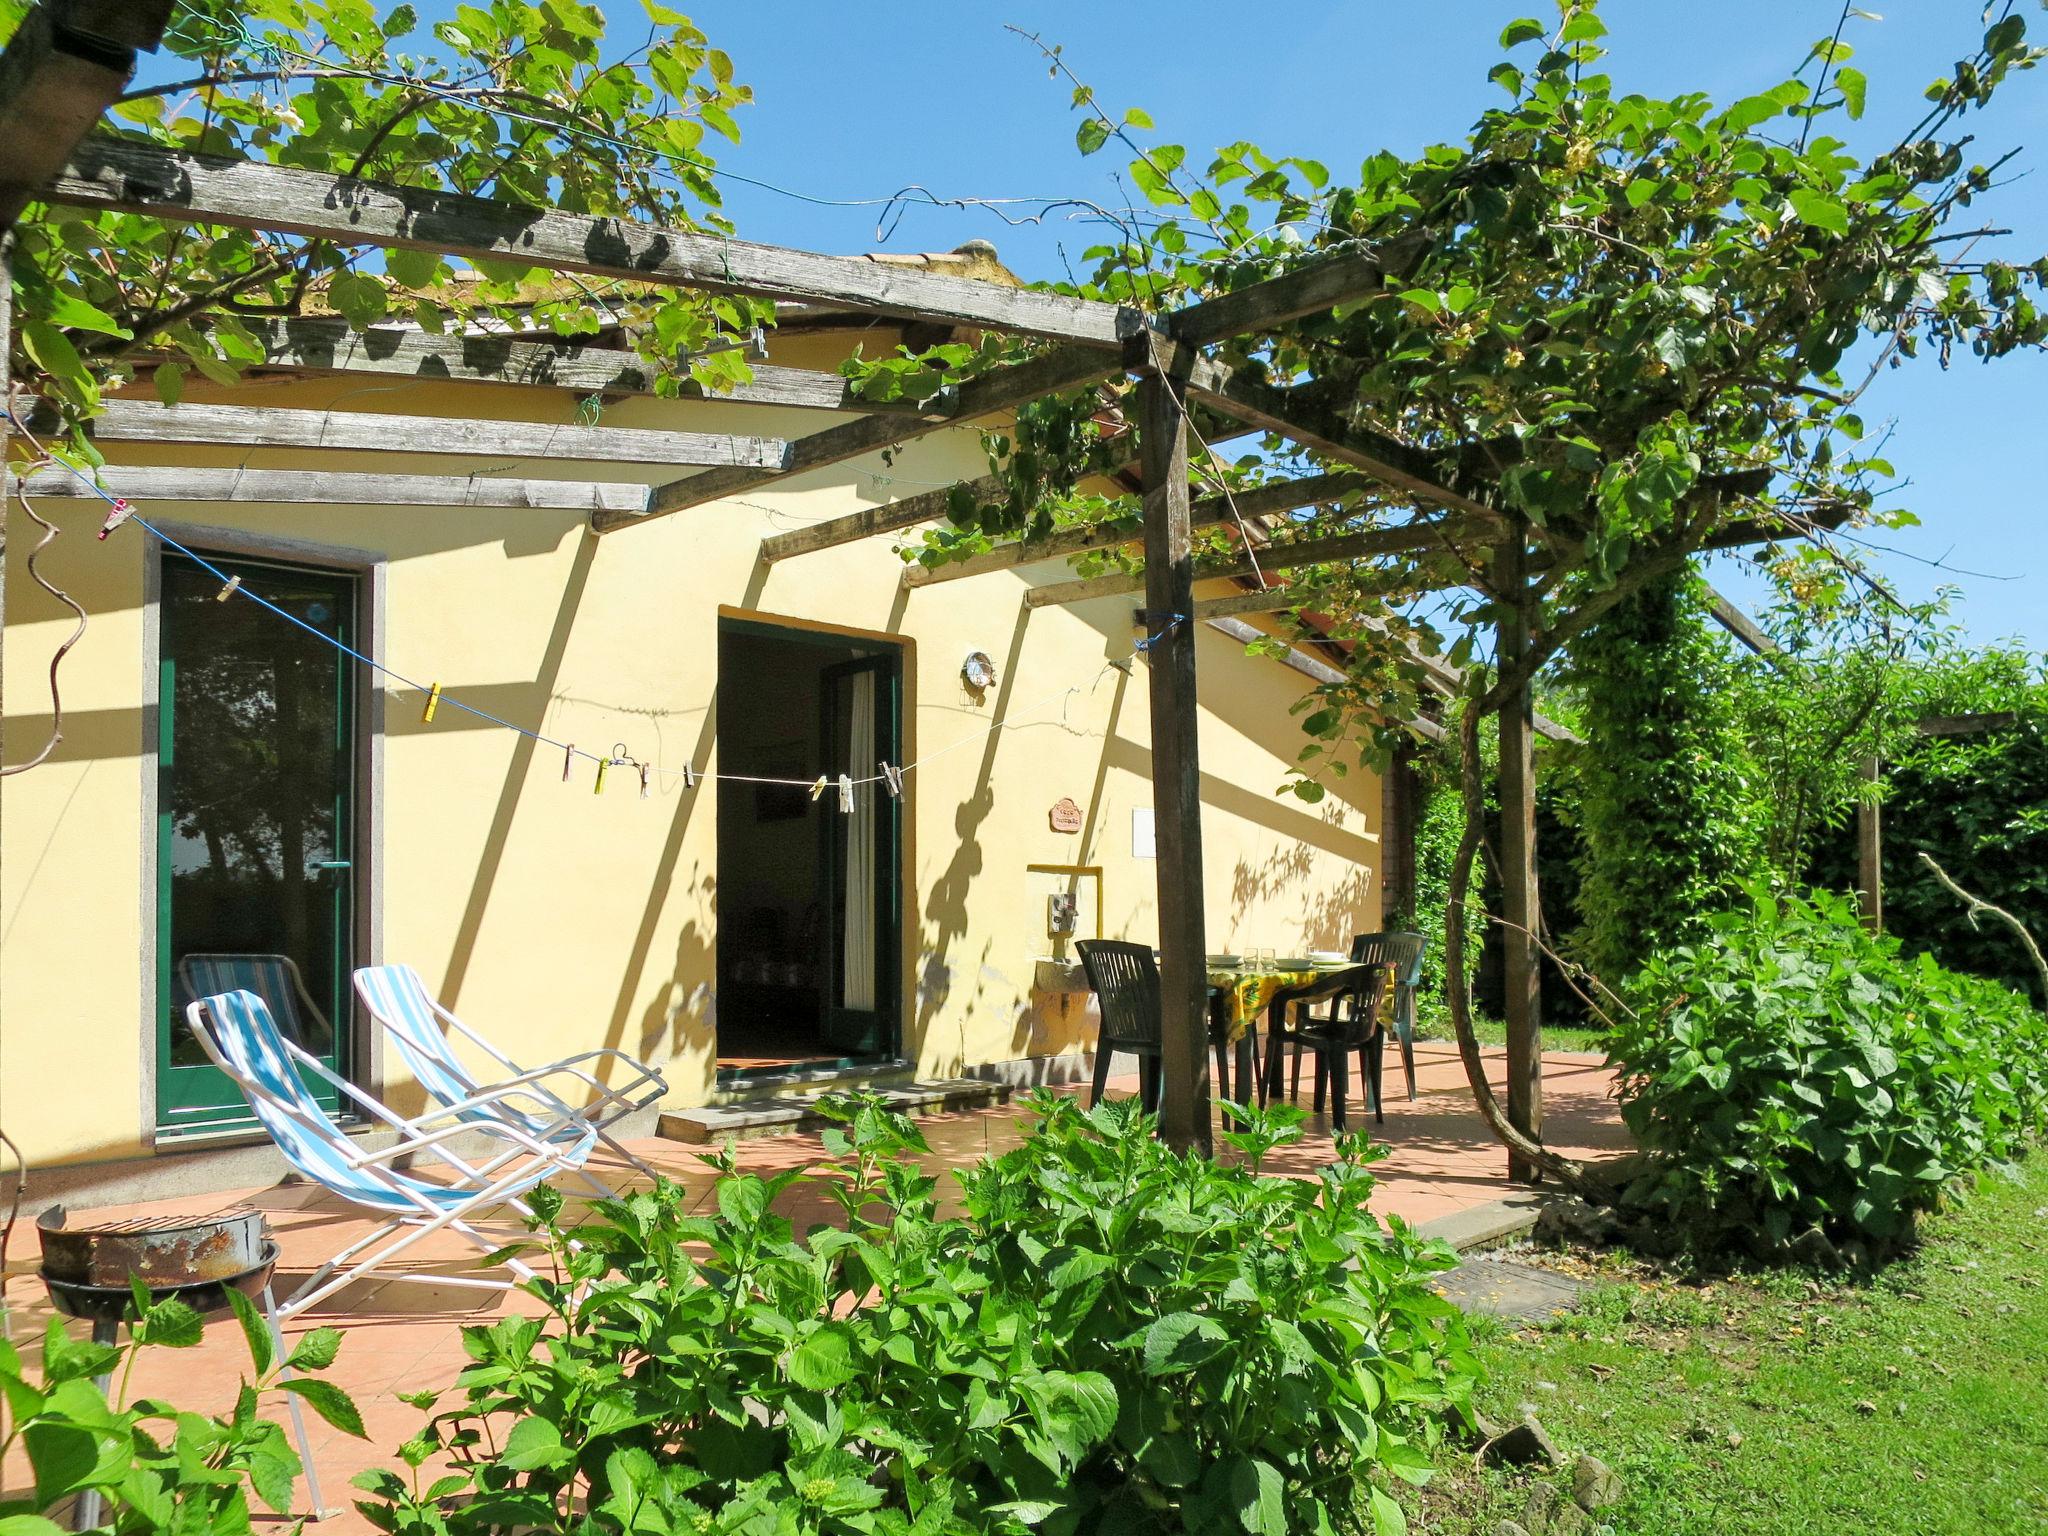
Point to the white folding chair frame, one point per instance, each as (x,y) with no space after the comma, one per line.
(499,1181)
(609,1105)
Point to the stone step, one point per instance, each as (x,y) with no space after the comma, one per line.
(788,1116)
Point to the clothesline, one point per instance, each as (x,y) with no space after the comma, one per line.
(886,774)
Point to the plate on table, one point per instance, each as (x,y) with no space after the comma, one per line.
(1327,957)
(1294,963)
(1224,962)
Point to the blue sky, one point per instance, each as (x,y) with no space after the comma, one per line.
(855,101)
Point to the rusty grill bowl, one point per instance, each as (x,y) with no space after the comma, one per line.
(114,1303)
(161,1252)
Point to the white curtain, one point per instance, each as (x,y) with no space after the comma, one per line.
(857,984)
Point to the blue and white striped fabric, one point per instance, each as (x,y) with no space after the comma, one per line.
(255,1057)
(398,999)
(275,979)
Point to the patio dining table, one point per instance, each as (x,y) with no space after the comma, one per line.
(1238,995)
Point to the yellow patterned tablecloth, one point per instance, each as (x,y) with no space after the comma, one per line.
(1245,994)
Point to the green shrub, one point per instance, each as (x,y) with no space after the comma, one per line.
(1792,1070)
(1111,1336)
(159,1471)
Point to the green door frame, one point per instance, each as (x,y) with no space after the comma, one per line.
(199,1099)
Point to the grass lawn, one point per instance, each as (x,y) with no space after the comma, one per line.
(1917,1402)
(1435,1024)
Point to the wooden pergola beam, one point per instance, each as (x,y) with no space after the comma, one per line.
(1396,465)
(1004,389)
(67,62)
(327,344)
(1253,502)
(319,487)
(1307,290)
(924,507)
(1366,544)
(1308,666)
(1443,678)
(139,421)
(249,194)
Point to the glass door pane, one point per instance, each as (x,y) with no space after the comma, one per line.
(255,818)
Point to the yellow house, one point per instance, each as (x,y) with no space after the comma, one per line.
(230,782)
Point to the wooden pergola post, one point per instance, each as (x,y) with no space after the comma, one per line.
(1176,763)
(1870,850)
(1399,812)
(1521,983)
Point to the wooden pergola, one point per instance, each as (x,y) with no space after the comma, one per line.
(67,64)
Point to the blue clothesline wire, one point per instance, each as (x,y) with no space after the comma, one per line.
(124,511)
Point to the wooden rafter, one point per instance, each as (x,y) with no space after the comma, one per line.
(924,507)
(326,344)
(1004,389)
(320,487)
(67,62)
(1253,502)
(252,194)
(1309,289)
(140,421)
(1307,665)
(1410,538)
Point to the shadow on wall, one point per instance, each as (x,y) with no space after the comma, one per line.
(945,911)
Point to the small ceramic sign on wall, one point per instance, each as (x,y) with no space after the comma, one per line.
(1065,816)
(1143,844)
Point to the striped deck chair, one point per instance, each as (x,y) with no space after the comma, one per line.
(275,979)
(420,1027)
(239,1034)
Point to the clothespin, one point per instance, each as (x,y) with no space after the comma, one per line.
(568,760)
(845,793)
(433,703)
(643,781)
(602,764)
(117,516)
(757,344)
(234,585)
(689,777)
(818,788)
(893,778)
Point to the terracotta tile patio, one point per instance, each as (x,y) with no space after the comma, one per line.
(403,1337)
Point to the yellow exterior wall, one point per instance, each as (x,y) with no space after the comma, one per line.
(555,920)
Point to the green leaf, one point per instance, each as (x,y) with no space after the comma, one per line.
(1091,135)
(255,1329)
(534,1445)
(52,350)
(1258,1493)
(825,1359)
(73,313)
(29,1525)
(317,1350)
(1077,1411)
(1180,1341)
(171,1324)
(63,1458)
(1524,29)
(1819,210)
(1640,191)
(170,382)
(1388,1519)
(330,1402)
(1854,89)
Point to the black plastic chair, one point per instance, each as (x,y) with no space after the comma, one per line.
(1403,953)
(1352,1024)
(1125,979)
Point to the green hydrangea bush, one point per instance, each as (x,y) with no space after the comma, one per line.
(1108,1336)
(1793,1071)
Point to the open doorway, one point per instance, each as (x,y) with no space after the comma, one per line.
(808,893)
